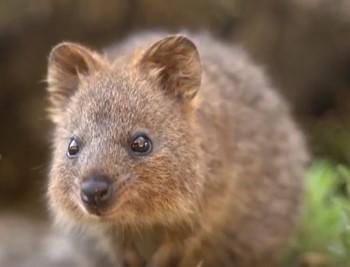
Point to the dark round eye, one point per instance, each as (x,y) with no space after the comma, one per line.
(141,144)
(73,147)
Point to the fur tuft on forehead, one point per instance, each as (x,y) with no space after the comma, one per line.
(173,63)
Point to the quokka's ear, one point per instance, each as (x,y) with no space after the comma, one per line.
(67,63)
(175,63)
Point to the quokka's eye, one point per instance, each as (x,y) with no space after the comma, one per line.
(141,144)
(73,147)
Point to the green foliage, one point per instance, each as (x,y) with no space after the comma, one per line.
(324,234)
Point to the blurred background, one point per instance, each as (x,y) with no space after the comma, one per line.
(304,46)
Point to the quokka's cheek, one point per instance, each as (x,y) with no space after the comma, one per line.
(61,193)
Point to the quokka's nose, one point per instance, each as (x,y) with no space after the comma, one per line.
(96,191)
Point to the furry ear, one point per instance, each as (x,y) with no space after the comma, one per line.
(67,63)
(175,62)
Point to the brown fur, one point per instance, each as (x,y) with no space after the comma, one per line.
(223,184)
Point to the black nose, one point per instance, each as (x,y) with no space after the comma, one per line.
(96,191)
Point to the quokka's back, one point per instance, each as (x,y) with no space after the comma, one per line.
(173,150)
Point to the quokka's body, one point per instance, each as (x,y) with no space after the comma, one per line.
(173,153)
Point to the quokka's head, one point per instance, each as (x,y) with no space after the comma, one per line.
(125,145)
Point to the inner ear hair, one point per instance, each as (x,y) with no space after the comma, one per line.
(66,64)
(175,62)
